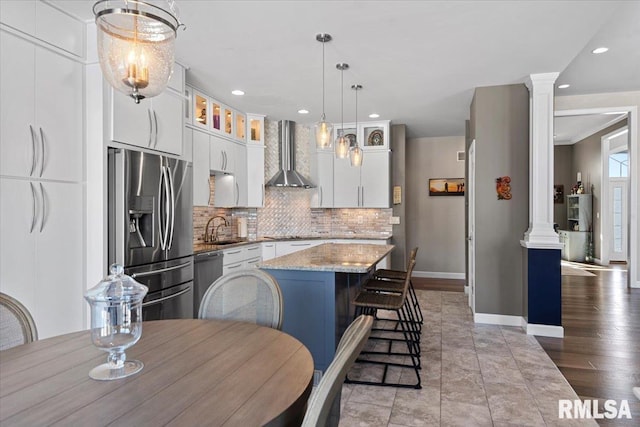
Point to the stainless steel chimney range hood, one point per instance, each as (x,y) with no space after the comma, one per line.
(287,176)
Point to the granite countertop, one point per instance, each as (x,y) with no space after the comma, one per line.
(209,247)
(338,257)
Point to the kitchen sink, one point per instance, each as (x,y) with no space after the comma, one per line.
(226,242)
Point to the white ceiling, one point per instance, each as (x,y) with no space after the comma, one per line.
(568,130)
(418,61)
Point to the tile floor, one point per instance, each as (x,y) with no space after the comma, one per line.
(472,375)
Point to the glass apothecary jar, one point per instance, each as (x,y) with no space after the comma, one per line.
(116,322)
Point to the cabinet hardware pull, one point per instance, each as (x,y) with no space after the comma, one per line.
(301,244)
(162,270)
(237,193)
(362,191)
(234,252)
(209,192)
(150,128)
(156,301)
(44,207)
(42,151)
(253,249)
(321,196)
(33,207)
(33,150)
(155,119)
(173,206)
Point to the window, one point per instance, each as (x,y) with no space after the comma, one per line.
(619,165)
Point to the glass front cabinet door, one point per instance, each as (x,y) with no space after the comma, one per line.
(200,108)
(374,135)
(255,125)
(241,127)
(216,111)
(227,115)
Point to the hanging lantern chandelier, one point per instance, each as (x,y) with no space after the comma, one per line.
(136,45)
(323,129)
(342,142)
(355,152)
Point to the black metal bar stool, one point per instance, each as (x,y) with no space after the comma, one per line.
(368,302)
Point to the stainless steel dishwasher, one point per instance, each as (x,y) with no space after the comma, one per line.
(207,269)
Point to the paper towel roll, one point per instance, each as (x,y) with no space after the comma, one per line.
(242,227)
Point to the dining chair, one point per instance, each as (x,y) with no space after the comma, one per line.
(16,324)
(322,400)
(248,295)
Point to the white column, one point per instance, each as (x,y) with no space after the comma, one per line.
(541,233)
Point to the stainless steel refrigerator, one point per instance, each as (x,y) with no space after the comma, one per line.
(150,228)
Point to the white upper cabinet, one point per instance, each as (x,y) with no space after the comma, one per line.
(374,135)
(154,123)
(255,176)
(346,184)
(375,187)
(241,173)
(41,121)
(201,169)
(45,22)
(322,176)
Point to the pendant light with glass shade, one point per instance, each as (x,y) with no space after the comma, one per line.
(342,142)
(355,152)
(136,45)
(323,129)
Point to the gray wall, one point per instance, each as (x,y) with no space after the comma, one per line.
(500,125)
(587,159)
(562,175)
(398,177)
(435,224)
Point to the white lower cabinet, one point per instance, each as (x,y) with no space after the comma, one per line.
(268,250)
(289,247)
(41,252)
(241,258)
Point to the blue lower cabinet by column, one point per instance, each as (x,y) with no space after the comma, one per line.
(544,286)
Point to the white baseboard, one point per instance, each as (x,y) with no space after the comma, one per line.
(545,330)
(499,319)
(438,275)
(518,321)
(597,261)
(466,289)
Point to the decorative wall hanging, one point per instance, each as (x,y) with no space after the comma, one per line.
(503,187)
(558,193)
(446,186)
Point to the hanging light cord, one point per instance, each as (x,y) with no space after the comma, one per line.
(342,99)
(323,116)
(356,108)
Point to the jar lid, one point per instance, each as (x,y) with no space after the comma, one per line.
(117,287)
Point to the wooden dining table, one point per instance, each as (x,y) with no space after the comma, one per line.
(196,373)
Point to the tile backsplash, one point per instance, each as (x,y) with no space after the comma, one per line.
(287,211)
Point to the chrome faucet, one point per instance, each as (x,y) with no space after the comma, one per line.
(208,238)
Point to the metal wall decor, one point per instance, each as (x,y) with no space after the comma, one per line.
(503,187)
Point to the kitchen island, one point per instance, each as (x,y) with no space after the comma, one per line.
(318,285)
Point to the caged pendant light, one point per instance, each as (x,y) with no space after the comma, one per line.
(136,45)
(342,142)
(355,152)
(323,129)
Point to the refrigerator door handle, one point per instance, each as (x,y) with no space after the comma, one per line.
(173,207)
(161,270)
(159,300)
(167,208)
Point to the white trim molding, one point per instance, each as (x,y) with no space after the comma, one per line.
(541,160)
(499,319)
(438,275)
(545,330)
(519,321)
(538,245)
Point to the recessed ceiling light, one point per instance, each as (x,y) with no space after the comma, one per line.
(237,92)
(564,86)
(600,50)
(374,115)
(303,111)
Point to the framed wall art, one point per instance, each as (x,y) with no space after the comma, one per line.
(446,186)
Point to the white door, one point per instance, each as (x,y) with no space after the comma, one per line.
(58,110)
(374,180)
(201,173)
(17,95)
(167,122)
(471,226)
(618,190)
(346,184)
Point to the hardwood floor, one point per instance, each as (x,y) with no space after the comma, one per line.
(600,352)
(451,285)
